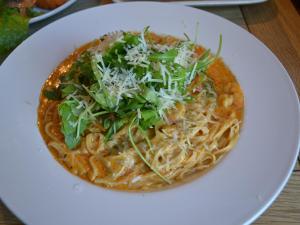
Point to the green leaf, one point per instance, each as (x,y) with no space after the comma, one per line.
(149,114)
(131,39)
(68,118)
(106,123)
(97,73)
(168,56)
(138,99)
(204,56)
(149,118)
(109,134)
(126,110)
(105,100)
(83,123)
(140,71)
(102,97)
(180,75)
(151,96)
(206,59)
(115,126)
(71,141)
(81,71)
(74,122)
(68,89)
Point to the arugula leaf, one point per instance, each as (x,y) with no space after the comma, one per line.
(131,39)
(114,127)
(206,59)
(13,29)
(106,123)
(151,96)
(138,99)
(133,104)
(104,99)
(69,123)
(68,89)
(149,118)
(140,71)
(168,56)
(115,55)
(99,92)
(74,122)
(180,75)
(97,73)
(81,71)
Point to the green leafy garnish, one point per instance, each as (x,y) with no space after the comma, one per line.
(75,119)
(132,83)
(168,56)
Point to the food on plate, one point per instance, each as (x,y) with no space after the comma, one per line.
(13,27)
(14,20)
(140,111)
(23,5)
(49,4)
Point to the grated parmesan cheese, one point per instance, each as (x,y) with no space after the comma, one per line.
(184,56)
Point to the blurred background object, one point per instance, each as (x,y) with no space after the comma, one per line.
(204,2)
(49,4)
(16,15)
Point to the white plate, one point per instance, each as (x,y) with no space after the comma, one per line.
(208,2)
(40,191)
(48,13)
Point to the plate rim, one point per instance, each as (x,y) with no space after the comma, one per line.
(208,3)
(52,12)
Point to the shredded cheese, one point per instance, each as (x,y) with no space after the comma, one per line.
(184,56)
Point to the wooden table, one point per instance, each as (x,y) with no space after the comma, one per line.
(277,24)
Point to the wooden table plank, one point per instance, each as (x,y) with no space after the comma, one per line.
(277,23)
(288,19)
(286,209)
(6,217)
(280,18)
(297,167)
(233,14)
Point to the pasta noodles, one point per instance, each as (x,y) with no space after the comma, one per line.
(192,137)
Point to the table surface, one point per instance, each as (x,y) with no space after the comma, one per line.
(276,23)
